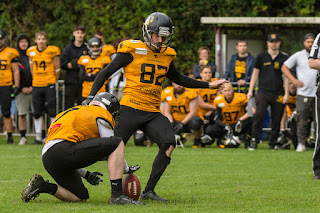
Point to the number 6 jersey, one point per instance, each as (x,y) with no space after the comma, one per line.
(144,75)
(42,64)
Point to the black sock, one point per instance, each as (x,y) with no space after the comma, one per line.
(43,134)
(159,165)
(50,188)
(116,187)
(9,134)
(23,133)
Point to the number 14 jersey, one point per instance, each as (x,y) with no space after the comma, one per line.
(144,75)
(42,64)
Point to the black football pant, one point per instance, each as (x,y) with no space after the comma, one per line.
(73,94)
(263,100)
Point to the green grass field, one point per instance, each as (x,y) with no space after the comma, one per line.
(197,180)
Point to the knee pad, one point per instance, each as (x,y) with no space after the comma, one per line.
(162,152)
(195,123)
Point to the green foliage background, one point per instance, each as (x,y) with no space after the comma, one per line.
(123,18)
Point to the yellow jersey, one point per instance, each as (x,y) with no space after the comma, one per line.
(144,75)
(78,123)
(291,105)
(208,96)
(108,50)
(92,66)
(231,112)
(42,64)
(179,106)
(7,57)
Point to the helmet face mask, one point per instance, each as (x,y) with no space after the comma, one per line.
(160,24)
(94,42)
(108,102)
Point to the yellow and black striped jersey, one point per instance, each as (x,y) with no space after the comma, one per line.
(78,123)
(42,64)
(179,106)
(208,96)
(231,112)
(92,66)
(144,75)
(7,57)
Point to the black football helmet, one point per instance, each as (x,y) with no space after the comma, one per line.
(2,34)
(94,41)
(108,102)
(160,24)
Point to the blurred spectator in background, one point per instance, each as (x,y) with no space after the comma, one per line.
(69,58)
(240,66)
(267,70)
(24,98)
(203,54)
(45,69)
(306,89)
(10,75)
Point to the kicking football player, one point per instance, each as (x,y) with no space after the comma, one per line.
(9,72)
(231,115)
(180,107)
(77,138)
(91,65)
(146,64)
(45,69)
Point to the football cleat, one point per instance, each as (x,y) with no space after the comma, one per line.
(33,188)
(123,200)
(152,196)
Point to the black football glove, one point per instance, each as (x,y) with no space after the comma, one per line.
(178,128)
(93,178)
(74,64)
(87,100)
(132,169)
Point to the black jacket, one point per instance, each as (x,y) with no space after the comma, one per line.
(25,74)
(72,53)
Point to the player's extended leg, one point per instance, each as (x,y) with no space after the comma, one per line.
(160,131)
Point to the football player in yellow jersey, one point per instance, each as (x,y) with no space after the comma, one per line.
(107,49)
(77,138)
(230,119)
(180,107)
(289,116)
(91,65)
(9,72)
(206,96)
(145,65)
(45,69)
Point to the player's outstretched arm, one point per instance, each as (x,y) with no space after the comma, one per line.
(174,75)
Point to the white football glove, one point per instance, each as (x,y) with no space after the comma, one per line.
(238,127)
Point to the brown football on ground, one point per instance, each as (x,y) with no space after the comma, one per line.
(131,186)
